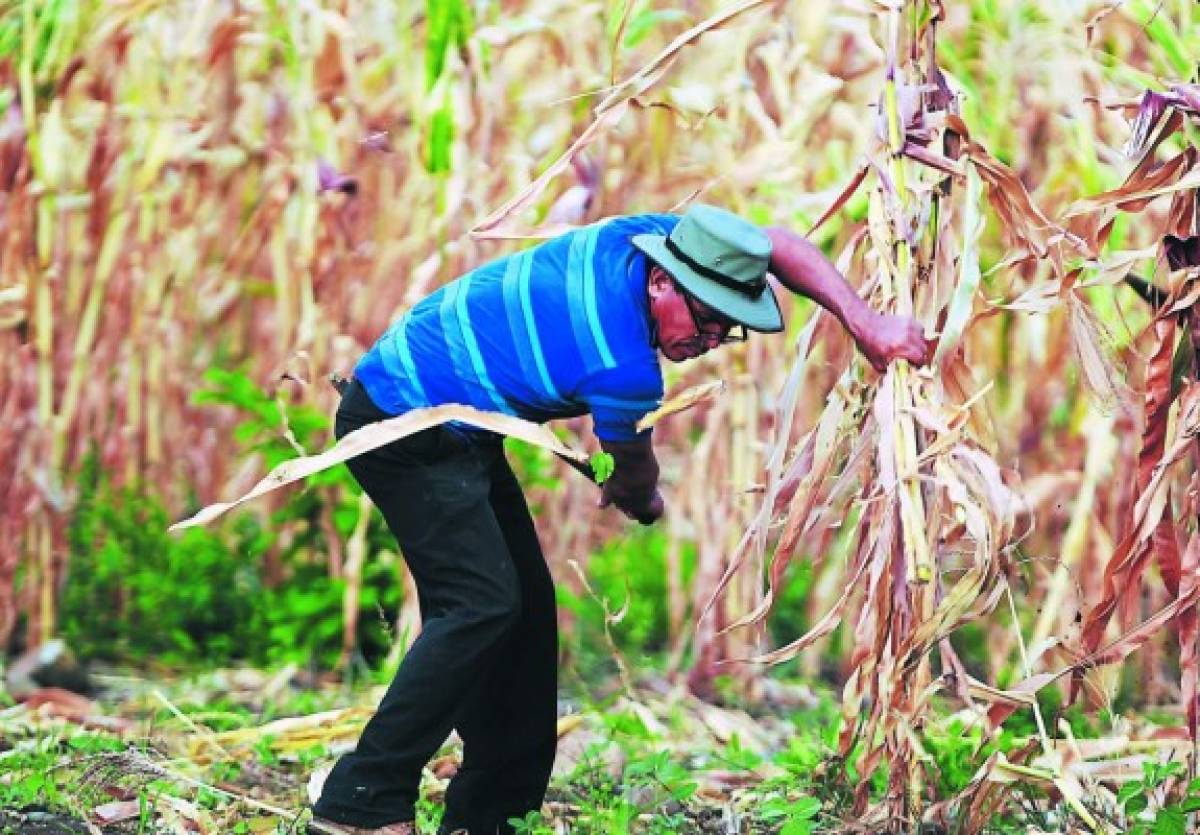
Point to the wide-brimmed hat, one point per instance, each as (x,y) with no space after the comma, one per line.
(722,260)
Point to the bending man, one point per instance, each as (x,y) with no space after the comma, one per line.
(570,327)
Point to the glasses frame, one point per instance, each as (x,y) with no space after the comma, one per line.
(729,337)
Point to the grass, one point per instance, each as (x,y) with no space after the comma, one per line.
(657,763)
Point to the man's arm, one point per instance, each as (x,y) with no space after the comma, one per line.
(803,269)
(633,487)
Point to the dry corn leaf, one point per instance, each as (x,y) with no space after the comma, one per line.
(645,78)
(385,432)
(1132,640)
(1144,184)
(1093,350)
(844,195)
(1189,631)
(1020,217)
(493,226)
(1123,571)
(959,311)
(828,622)
(686,399)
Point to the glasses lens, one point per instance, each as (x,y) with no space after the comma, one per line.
(704,318)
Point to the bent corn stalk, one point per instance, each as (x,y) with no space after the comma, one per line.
(385,432)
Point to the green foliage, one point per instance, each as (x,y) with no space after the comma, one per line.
(662,772)
(441,137)
(816,779)
(135,591)
(642,21)
(629,572)
(533,466)
(10,33)
(795,816)
(429,815)
(261,430)
(602,466)
(654,789)
(44,37)
(449,26)
(958,751)
(532,824)
(32,769)
(281,29)
(208,595)
(1151,809)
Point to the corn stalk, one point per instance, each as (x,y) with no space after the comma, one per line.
(910,449)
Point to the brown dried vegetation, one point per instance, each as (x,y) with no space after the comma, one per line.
(250,183)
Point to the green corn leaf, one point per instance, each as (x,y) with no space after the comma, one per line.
(449,23)
(441,137)
(603,466)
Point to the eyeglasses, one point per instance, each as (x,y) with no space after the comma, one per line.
(710,338)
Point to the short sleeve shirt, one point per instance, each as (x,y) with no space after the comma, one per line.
(557,330)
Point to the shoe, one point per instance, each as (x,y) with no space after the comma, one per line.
(320,826)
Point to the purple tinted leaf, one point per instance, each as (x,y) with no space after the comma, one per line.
(1182,97)
(329,179)
(1150,113)
(12,145)
(587,171)
(942,96)
(14,119)
(377,141)
(1187,97)
(932,159)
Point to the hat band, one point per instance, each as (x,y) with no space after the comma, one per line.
(751,290)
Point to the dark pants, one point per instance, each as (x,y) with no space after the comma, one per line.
(485,663)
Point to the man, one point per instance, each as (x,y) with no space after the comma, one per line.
(566,328)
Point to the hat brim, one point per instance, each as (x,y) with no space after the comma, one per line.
(761,314)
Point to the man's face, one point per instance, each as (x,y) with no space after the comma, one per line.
(685,326)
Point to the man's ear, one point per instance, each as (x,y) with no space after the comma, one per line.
(658,281)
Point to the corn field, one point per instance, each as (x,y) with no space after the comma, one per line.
(266,185)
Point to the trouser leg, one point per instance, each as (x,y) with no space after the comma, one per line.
(508,722)
(434,492)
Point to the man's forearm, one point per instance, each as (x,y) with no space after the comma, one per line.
(803,269)
(881,338)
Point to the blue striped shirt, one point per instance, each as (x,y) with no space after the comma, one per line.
(555,331)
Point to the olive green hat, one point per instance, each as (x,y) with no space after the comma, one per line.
(722,260)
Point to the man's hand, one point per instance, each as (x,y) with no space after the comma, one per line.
(802,268)
(633,487)
(883,338)
(647,515)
